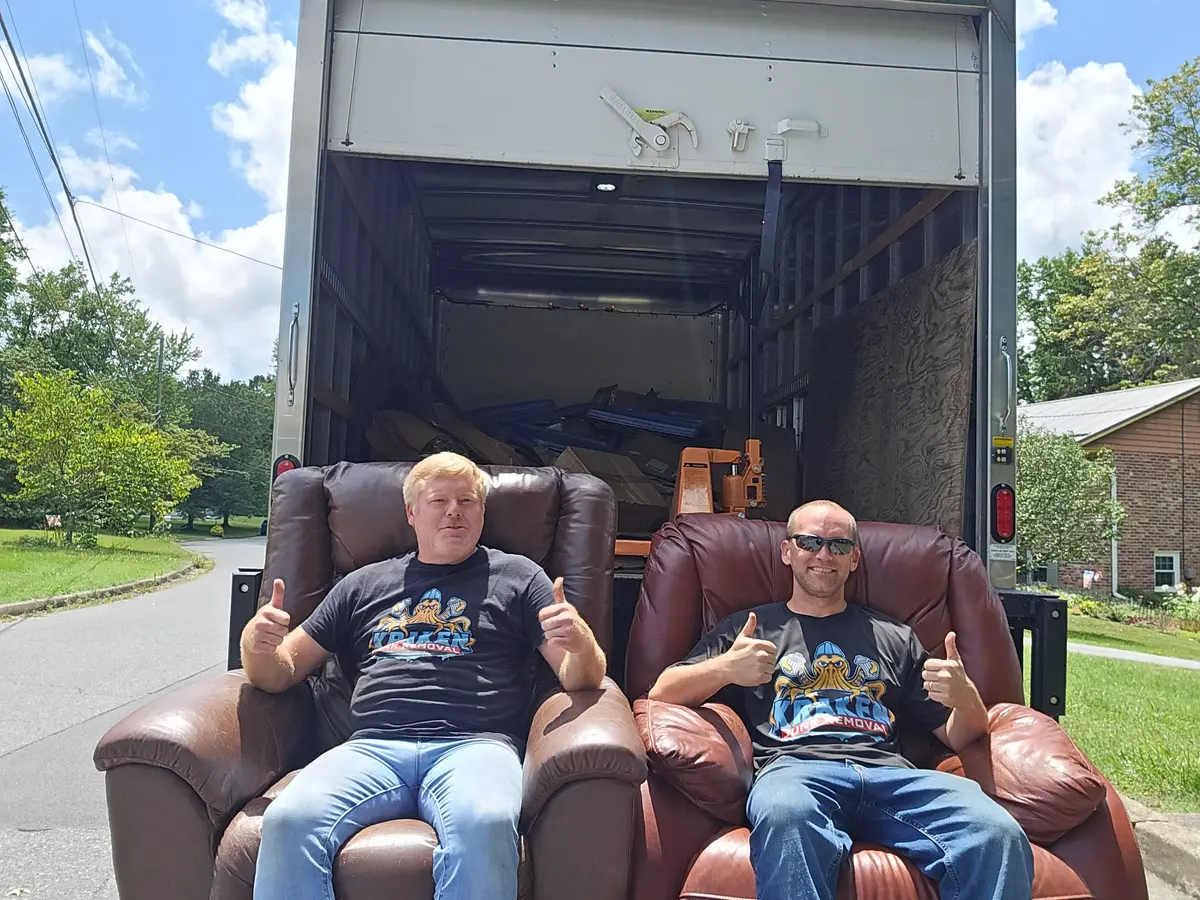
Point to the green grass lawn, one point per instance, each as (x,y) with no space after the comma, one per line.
(239,527)
(1139,724)
(1087,630)
(31,572)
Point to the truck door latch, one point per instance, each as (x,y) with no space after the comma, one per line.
(739,132)
(648,127)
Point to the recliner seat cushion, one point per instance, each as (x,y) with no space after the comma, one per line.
(389,861)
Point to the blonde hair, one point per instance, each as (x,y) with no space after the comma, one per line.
(444,465)
(827,505)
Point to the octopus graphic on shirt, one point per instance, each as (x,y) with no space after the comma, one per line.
(830,694)
(428,629)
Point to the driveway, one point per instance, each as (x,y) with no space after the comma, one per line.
(65,679)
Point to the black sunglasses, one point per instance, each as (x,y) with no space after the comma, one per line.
(838,546)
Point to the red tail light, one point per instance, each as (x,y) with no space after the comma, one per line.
(285,463)
(1004,513)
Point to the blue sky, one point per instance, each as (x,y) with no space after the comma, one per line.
(194,97)
(169,119)
(1151,37)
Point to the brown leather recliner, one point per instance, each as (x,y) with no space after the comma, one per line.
(189,775)
(693,840)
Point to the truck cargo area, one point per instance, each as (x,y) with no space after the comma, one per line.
(598,322)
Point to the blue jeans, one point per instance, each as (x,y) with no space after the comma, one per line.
(802,814)
(468,790)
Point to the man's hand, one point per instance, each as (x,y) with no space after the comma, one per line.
(570,647)
(266,631)
(750,662)
(563,626)
(946,680)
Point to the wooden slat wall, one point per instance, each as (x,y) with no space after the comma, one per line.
(1160,433)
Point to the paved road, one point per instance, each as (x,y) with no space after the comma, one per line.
(65,679)
(1133,656)
(1174,662)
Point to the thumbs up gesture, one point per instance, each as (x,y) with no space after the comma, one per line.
(561,622)
(750,661)
(269,626)
(946,680)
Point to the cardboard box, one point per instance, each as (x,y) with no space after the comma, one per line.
(641,509)
(655,455)
(484,446)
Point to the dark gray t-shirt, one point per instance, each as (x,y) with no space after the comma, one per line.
(441,650)
(840,683)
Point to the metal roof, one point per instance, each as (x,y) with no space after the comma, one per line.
(1088,418)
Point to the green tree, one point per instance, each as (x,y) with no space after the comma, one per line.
(1065,510)
(240,414)
(76,458)
(59,320)
(1166,121)
(1124,309)
(1117,313)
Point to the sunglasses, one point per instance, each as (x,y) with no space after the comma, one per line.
(838,546)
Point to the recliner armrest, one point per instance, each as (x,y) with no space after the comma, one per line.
(705,753)
(1029,765)
(226,738)
(577,735)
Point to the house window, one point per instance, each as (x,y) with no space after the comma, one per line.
(1166,569)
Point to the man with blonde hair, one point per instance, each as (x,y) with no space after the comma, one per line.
(443,639)
(821,685)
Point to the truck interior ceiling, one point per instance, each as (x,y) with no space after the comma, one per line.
(598,321)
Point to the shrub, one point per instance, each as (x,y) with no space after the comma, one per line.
(217,531)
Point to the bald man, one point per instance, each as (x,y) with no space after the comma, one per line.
(821,686)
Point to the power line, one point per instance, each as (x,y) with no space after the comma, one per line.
(189,237)
(37,115)
(103,138)
(33,156)
(20,43)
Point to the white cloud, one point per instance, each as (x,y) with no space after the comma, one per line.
(229,303)
(52,76)
(57,76)
(259,120)
(1072,146)
(1070,151)
(110,76)
(115,141)
(1032,15)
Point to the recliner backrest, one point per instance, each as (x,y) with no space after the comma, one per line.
(703,567)
(327,522)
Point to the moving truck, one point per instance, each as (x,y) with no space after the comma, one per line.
(592,233)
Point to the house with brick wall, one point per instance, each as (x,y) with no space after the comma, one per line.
(1154,435)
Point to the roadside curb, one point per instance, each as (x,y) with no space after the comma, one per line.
(1170,847)
(27,606)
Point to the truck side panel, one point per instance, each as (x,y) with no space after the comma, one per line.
(994,450)
(908,114)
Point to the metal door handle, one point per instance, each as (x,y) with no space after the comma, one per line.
(1009,383)
(293,346)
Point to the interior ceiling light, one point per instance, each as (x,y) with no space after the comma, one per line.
(606,186)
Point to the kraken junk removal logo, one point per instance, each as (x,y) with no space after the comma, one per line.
(426,630)
(830,695)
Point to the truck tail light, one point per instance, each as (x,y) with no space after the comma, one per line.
(283,464)
(1004,513)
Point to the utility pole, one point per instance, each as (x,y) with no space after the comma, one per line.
(158,411)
